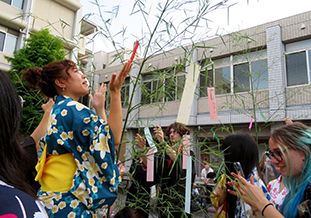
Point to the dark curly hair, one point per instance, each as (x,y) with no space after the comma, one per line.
(179,128)
(44,78)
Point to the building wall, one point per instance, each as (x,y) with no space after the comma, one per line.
(62,17)
(274,42)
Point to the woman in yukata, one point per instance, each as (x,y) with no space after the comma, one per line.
(77,171)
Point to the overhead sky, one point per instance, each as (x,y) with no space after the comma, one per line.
(241,14)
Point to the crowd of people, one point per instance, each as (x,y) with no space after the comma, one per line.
(77,174)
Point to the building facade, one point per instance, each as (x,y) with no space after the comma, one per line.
(20,18)
(262,72)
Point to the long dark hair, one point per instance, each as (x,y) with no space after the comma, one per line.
(44,78)
(239,147)
(12,155)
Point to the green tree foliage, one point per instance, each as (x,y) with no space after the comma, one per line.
(39,49)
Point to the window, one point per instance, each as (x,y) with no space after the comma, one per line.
(296,68)
(152,89)
(241,77)
(7,42)
(222,80)
(174,86)
(206,80)
(125,92)
(251,74)
(259,71)
(16,3)
(2,35)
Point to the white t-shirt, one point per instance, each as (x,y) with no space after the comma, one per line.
(204,173)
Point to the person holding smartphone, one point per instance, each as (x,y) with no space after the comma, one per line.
(241,152)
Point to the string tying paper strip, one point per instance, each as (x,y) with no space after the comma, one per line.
(150,155)
(212,103)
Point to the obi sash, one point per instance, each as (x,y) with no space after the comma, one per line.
(55,173)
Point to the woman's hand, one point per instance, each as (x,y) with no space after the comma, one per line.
(159,133)
(98,101)
(116,81)
(249,192)
(47,107)
(140,141)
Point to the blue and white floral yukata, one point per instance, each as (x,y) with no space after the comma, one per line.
(76,131)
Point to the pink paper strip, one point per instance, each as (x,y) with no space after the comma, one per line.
(212,103)
(134,51)
(186,150)
(251,123)
(150,165)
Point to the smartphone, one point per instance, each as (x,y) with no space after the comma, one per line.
(238,168)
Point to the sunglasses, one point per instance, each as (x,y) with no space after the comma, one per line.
(170,132)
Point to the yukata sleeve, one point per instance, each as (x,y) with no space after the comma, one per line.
(97,139)
(219,188)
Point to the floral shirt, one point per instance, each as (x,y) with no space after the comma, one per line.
(74,128)
(274,190)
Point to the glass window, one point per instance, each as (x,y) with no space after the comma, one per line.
(1,41)
(309,56)
(151,90)
(222,80)
(260,74)
(125,92)
(7,1)
(10,43)
(241,77)
(206,80)
(170,88)
(18,3)
(296,69)
(180,86)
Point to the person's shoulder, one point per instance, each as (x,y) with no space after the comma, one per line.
(17,202)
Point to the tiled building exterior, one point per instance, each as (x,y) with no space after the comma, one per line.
(18,18)
(280,51)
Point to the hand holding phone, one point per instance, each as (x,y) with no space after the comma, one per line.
(238,168)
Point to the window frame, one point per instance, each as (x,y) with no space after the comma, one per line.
(307,67)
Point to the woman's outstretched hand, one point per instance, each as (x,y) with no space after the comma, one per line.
(116,81)
(249,192)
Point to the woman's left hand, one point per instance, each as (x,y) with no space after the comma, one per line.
(116,81)
(98,101)
(249,192)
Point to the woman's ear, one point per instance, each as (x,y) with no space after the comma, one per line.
(60,84)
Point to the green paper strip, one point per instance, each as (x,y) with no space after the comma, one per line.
(215,136)
(263,117)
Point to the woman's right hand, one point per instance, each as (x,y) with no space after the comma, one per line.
(140,141)
(117,81)
(159,133)
(249,192)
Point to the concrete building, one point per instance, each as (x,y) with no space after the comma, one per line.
(18,18)
(264,71)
